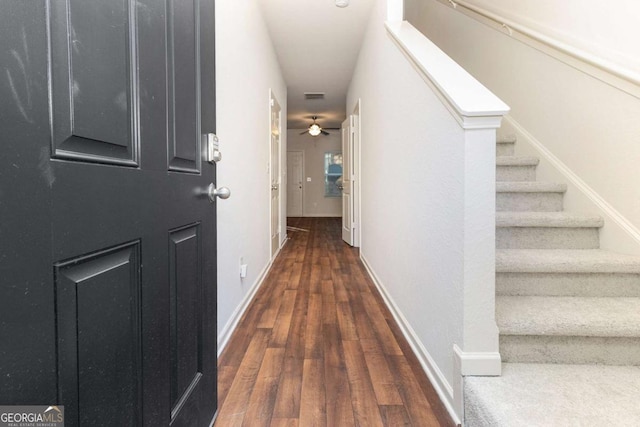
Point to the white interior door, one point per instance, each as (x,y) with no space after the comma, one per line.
(275,175)
(294,183)
(347,180)
(355,173)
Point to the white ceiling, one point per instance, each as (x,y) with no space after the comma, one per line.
(317,45)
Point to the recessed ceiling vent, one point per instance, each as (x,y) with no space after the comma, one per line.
(314,95)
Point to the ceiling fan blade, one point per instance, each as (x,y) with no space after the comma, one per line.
(302,133)
(324,132)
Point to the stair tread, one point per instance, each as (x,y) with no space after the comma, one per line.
(506,139)
(547,219)
(564,261)
(559,395)
(530,187)
(517,161)
(568,316)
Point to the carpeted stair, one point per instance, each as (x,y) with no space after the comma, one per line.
(568,313)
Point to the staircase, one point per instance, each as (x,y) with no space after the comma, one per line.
(568,313)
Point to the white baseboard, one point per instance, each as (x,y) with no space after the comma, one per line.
(213,420)
(619,234)
(232,324)
(321,215)
(435,375)
(482,364)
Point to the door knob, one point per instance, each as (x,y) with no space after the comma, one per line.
(274,187)
(222,192)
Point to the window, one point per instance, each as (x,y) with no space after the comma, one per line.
(332,173)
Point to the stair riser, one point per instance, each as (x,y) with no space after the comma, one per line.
(546,238)
(568,284)
(536,202)
(515,173)
(507,149)
(570,350)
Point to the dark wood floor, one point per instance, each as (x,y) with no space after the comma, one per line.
(317,346)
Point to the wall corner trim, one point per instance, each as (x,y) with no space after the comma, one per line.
(472,104)
(435,375)
(478,363)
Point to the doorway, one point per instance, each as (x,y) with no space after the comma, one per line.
(275,140)
(350,181)
(295,162)
(355,162)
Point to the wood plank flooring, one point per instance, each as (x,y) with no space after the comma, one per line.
(318,347)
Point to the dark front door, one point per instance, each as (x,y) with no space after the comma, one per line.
(107,242)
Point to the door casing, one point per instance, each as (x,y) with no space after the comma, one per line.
(275,145)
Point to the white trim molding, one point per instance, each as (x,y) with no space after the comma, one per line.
(470,103)
(616,75)
(487,364)
(232,324)
(481,364)
(320,215)
(436,377)
(213,420)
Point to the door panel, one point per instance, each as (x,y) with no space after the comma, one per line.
(185,312)
(295,161)
(99,342)
(93,63)
(184,140)
(108,286)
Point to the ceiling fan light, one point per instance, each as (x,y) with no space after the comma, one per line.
(314,130)
(342,3)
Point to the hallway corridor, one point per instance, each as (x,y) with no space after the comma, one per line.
(318,347)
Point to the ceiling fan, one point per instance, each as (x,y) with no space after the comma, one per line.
(315,129)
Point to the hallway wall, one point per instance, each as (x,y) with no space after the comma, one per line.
(412,170)
(313,201)
(246,68)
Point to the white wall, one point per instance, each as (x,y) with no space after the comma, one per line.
(412,160)
(246,68)
(607,29)
(588,126)
(314,203)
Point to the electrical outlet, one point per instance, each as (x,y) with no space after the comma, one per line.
(243,271)
(243,268)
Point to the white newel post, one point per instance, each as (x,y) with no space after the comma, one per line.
(479,113)
(479,353)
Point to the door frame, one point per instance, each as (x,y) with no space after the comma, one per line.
(357,150)
(272,102)
(348,147)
